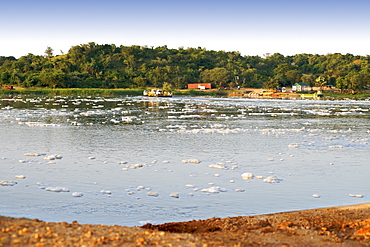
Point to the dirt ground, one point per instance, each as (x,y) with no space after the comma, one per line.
(335,226)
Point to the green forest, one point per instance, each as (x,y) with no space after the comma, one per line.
(109,66)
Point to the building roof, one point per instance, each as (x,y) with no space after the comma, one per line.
(301,84)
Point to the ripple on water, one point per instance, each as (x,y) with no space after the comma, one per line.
(124,155)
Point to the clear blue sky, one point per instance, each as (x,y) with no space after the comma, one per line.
(252,27)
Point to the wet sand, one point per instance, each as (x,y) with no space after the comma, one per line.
(334,226)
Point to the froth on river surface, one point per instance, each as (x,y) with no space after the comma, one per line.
(134,160)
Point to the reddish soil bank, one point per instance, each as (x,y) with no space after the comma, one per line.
(335,226)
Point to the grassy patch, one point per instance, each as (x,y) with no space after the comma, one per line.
(75,91)
(192,92)
(353,96)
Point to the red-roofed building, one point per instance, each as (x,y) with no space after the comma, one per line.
(199,85)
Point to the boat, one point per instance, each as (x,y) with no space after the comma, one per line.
(157,93)
(316,95)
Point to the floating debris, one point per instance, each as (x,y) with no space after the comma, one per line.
(293,145)
(214,189)
(32,154)
(140,187)
(358,196)
(50,157)
(175,195)
(218,166)
(57,189)
(190,185)
(53,157)
(272,179)
(315,196)
(108,192)
(239,190)
(77,194)
(139,165)
(128,119)
(7,183)
(38,124)
(193,161)
(336,146)
(155,194)
(20,176)
(247,175)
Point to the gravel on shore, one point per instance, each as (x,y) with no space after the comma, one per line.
(334,226)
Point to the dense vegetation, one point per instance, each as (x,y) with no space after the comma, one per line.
(108,66)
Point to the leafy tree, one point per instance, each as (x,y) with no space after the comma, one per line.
(356,80)
(309,79)
(271,84)
(53,79)
(341,83)
(321,81)
(286,74)
(139,82)
(49,52)
(16,79)
(167,86)
(218,76)
(95,65)
(4,77)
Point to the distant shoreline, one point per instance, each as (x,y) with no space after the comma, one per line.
(235,93)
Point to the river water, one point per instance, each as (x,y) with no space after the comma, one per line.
(133,160)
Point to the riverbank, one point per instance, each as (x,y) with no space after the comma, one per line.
(241,93)
(334,226)
(73,92)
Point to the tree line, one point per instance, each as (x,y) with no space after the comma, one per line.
(109,66)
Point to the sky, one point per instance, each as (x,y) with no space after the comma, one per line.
(251,27)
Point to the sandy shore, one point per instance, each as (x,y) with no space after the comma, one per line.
(335,226)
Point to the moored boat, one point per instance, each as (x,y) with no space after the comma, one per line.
(316,95)
(157,93)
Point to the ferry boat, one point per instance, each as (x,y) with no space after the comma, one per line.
(157,93)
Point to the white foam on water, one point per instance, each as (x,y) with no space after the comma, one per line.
(232,135)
